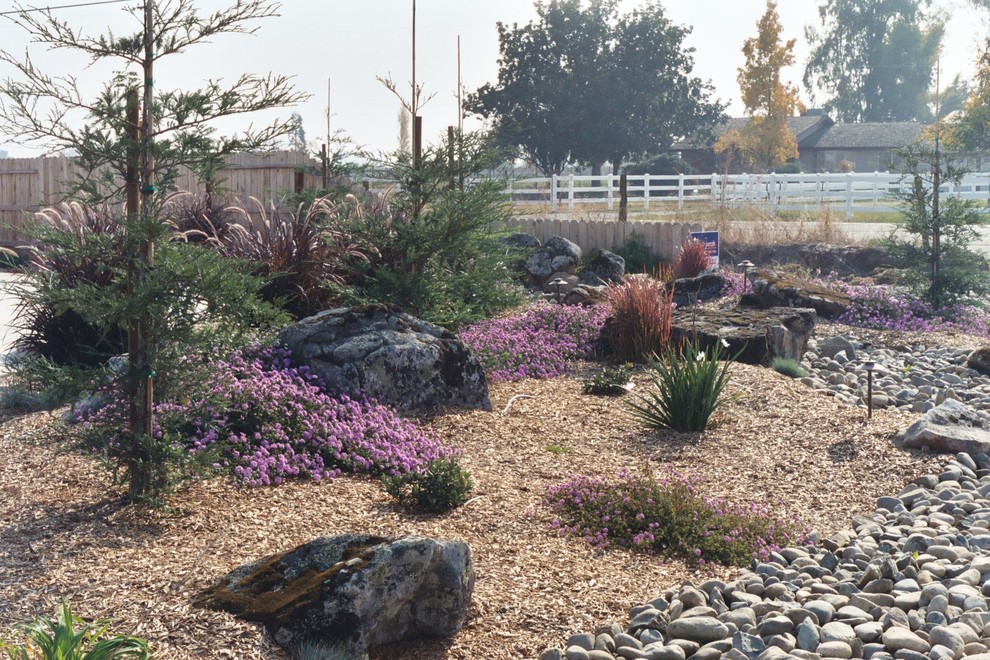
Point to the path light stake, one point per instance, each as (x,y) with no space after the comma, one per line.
(869,365)
(745,266)
(559,282)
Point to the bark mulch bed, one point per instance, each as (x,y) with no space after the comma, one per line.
(65,534)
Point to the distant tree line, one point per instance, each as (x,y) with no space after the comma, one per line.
(585,84)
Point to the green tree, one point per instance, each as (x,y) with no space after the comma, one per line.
(585,83)
(970,129)
(439,254)
(939,229)
(766,139)
(161,296)
(874,60)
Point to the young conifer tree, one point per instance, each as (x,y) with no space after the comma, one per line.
(130,142)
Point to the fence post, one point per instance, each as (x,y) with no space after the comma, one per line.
(849,197)
(610,190)
(712,190)
(623,197)
(646,192)
(553,193)
(772,193)
(570,193)
(680,191)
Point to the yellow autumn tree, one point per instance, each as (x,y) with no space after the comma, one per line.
(766,141)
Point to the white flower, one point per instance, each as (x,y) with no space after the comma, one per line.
(724,343)
(701,356)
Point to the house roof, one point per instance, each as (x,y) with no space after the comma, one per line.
(820,132)
(802,127)
(873,135)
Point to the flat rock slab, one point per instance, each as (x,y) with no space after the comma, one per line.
(772,289)
(950,426)
(754,336)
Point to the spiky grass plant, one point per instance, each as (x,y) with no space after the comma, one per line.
(69,637)
(305,254)
(639,325)
(200,218)
(692,259)
(788,367)
(688,386)
(70,237)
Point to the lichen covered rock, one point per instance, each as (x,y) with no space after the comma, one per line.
(772,289)
(389,356)
(357,592)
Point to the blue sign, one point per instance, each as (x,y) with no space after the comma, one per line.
(710,239)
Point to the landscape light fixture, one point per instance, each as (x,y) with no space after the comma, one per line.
(869,366)
(745,266)
(559,282)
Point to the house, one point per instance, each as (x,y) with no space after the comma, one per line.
(823,144)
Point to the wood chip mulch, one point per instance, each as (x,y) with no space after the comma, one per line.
(64,532)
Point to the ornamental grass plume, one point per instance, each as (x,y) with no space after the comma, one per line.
(639,325)
(692,259)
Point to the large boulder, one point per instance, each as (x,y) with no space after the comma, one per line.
(521,245)
(754,336)
(772,289)
(604,268)
(979,360)
(951,426)
(829,347)
(690,290)
(557,255)
(389,356)
(355,592)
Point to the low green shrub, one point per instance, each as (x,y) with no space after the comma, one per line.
(442,486)
(667,516)
(788,367)
(611,380)
(688,387)
(638,255)
(70,637)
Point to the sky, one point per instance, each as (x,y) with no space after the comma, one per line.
(336,51)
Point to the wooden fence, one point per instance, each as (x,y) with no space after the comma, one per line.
(663,238)
(29,184)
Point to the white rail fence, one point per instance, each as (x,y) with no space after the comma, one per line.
(875,192)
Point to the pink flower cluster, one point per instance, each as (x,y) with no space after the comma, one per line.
(665,515)
(540,342)
(269,421)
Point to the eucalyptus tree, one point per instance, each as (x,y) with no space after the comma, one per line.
(874,60)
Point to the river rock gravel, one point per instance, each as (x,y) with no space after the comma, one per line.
(914,378)
(910,581)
